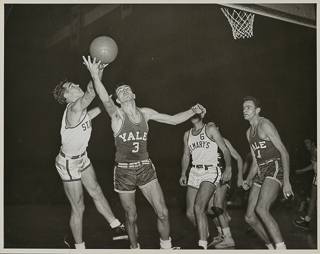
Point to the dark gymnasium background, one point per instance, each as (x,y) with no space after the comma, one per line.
(174,55)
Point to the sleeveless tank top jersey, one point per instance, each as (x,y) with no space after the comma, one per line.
(263,149)
(202,148)
(75,139)
(131,140)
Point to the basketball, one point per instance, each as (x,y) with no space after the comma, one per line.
(104,49)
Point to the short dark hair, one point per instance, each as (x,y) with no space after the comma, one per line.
(312,139)
(255,100)
(115,96)
(59,91)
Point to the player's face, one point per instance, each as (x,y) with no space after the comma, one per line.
(195,118)
(73,90)
(308,144)
(124,93)
(249,110)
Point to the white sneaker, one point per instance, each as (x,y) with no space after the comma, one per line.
(225,243)
(216,239)
(173,248)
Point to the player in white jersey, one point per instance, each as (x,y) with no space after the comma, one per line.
(202,142)
(72,162)
(310,145)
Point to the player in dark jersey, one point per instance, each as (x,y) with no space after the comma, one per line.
(269,173)
(304,223)
(133,166)
(221,220)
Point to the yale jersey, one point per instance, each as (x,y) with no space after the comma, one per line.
(263,149)
(131,140)
(202,148)
(75,139)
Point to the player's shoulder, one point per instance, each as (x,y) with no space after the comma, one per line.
(265,123)
(146,110)
(73,108)
(187,133)
(264,120)
(211,125)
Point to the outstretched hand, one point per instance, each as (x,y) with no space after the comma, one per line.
(94,67)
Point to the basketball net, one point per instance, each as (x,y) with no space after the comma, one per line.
(241,23)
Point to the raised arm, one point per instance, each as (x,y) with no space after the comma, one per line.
(83,102)
(239,160)
(94,69)
(151,114)
(95,111)
(185,160)
(271,132)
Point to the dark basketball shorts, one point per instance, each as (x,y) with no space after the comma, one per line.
(314,181)
(198,175)
(271,169)
(70,169)
(127,179)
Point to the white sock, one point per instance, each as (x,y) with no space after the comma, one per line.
(80,245)
(115,223)
(204,244)
(281,246)
(307,218)
(226,231)
(165,244)
(135,248)
(219,230)
(270,246)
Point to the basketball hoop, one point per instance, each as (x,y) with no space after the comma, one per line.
(241,23)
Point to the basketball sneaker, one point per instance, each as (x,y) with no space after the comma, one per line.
(216,239)
(120,233)
(225,243)
(301,224)
(173,248)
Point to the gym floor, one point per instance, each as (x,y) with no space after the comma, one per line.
(46,227)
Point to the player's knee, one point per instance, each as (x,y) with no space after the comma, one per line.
(96,193)
(218,204)
(163,214)
(190,214)
(261,210)
(251,220)
(198,208)
(131,217)
(78,209)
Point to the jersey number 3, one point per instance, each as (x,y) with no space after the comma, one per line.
(136,147)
